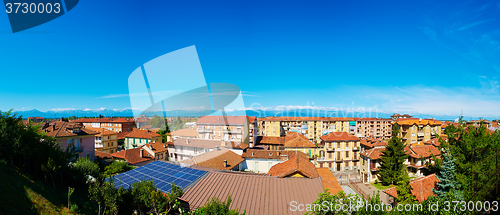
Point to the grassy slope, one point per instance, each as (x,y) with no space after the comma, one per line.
(20,195)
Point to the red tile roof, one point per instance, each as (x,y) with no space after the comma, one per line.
(133,156)
(102,131)
(329,180)
(142,134)
(231,120)
(58,129)
(103,155)
(435,141)
(294,165)
(122,134)
(185,133)
(299,142)
(272,140)
(372,142)
(374,153)
(157,147)
(419,122)
(424,151)
(255,194)
(339,136)
(217,162)
(234,145)
(422,187)
(271,154)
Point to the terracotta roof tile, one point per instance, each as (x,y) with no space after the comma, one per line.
(299,142)
(294,165)
(133,156)
(185,133)
(419,122)
(217,162)
(58,129)
(104,120)
(424,151)
(339,136)
(374,153)
(422,187)
(435,141)
(102,131)
(329,180)
(103,155)
(142,134)
(372,142)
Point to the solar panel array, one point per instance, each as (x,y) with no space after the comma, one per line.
(161,173)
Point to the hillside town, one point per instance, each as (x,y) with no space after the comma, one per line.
(278,159)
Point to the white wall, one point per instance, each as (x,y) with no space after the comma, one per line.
(259,165)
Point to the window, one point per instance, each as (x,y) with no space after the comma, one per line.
(88,156)
(347,144)
(338,145)
(347,154)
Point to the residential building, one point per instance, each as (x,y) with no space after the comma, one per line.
(297,142)
(417,131)
(139,137)
(105,140)
(371,152)
(421,188)
(477,123)
(112,124)
(260,161)
(72,136)
(399,116)
(35,119)
(183,148)
(311,127)
(419,156)
(221,159)
(340,151)
(228,128)
(295,166)
(374,128)
(143,154)
(252,130)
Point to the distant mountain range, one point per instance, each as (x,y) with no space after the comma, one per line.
(197,113)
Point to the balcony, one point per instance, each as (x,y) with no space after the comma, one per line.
(205,131)
(231,130)
(98,145)
(355,148)
(330,149)
(321,159)
(420,133)
(76,148)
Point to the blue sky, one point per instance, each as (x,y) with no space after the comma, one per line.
(420,57)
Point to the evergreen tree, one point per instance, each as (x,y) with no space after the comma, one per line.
(447,181)
(404,189)
(392,159)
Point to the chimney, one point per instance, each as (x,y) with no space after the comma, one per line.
(53,126)
(225,163)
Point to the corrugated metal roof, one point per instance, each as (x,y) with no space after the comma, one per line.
(254,193)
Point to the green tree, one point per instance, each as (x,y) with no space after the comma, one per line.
(333,201)
(216,207)
(83,168)
(404,189)
(148,198)
(392,159)
(447,178)
(117,167)
(106,196)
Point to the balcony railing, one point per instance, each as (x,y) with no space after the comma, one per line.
(98,145)
(76,148)
(231,130)
(321,159)
(205,130)
(420,133)
(330,149)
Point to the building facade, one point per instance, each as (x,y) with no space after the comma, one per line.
(105,140)
(374,128)
(340,151)
(112,124)
(72,136)
(417,131)
(229,128)
(138,138)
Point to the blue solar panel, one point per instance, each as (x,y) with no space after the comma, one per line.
(161,173)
